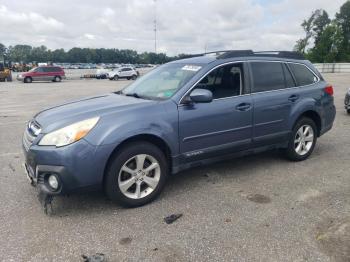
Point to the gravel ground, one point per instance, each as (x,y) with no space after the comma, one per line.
(257,208)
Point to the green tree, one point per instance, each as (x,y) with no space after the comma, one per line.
(3,50)
(39,54)
(326,50)
(19,53)
(343,20)
(313,27)
(320,22)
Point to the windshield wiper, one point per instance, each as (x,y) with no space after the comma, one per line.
(133,94)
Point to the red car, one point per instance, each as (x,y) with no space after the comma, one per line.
(42,73)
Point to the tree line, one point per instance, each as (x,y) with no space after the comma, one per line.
(326,40)
(27,54)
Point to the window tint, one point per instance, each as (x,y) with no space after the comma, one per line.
(267,76)
(288,76)
(39,69)
(302,74)
(225,81)
(55,69)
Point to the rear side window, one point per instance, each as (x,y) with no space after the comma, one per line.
(56,69)
(289,78)
(267,76)
(302,74)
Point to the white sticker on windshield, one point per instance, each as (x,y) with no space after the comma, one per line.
(191,68)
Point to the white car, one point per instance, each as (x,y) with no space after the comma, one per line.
(123,72)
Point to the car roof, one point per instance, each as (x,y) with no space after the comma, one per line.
(243,55)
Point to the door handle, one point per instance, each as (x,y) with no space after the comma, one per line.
(293,98)
(243,107)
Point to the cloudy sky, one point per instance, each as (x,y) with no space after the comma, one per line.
(184,26)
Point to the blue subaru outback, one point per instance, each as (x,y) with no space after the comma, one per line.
(180,115)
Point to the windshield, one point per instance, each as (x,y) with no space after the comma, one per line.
(162,82)
(33,69)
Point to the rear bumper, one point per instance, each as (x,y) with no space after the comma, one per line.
(328,120)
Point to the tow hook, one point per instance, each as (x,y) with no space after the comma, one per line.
(46,202)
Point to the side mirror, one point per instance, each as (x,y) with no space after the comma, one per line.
(201,96)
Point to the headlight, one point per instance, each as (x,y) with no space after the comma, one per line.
(69,134)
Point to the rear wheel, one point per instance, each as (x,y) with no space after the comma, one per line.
(303,140)
(28,80)
(57,79)
(136,175)
(348,111)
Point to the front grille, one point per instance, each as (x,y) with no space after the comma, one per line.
(32,131)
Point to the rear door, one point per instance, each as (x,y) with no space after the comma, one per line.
(49,73)
(273,94)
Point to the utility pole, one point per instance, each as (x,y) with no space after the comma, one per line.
(155,26)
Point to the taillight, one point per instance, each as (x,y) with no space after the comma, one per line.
(329,90)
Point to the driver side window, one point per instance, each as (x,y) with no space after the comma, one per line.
(225,81)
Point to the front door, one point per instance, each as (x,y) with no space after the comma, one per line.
(222,126)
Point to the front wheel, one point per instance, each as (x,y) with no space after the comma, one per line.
(348,111)
(136,175)
(116,77)
(134,77)
(303,140)
(28,80)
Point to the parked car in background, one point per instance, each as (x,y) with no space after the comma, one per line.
(102,73)
(347,102)
(42,73)
(123,72)
(180,115)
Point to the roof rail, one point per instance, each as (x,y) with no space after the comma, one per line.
(282,54)
(240,53)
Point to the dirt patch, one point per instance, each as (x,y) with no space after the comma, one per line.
(260,199)
(333,238)
(125,241)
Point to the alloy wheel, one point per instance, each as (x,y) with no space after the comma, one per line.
(304,139)
(139,176)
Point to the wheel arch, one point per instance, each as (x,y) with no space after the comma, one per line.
(27,77)
(314,116)
(151,138)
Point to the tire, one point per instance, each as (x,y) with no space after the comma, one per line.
(28,80)
(115,77)
(134,77)
(126,159)
(57,79)
(348,111)
(305,128)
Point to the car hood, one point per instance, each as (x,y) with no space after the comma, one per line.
(78,110)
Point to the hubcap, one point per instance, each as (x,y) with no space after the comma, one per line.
(139,176)
(304,139)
